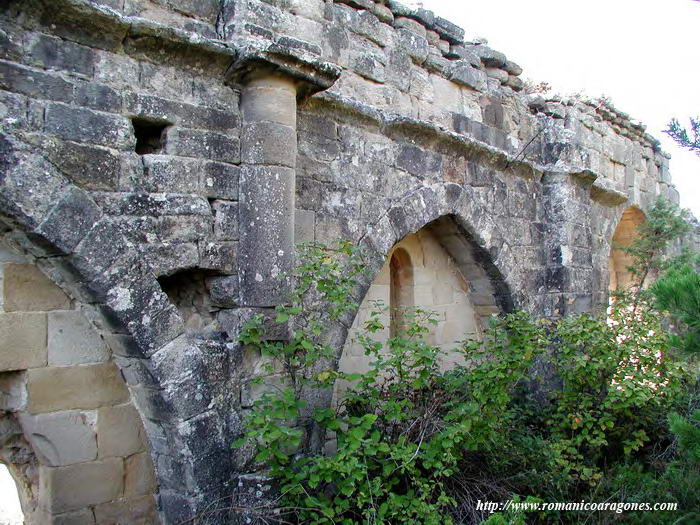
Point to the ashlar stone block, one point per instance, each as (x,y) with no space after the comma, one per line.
(87,126)
(73,341)
(22,340)
(139,478)
(60,438)
(127,511)
(270,103)
(269,143)
(78,387)
(62,489)
(119,431)
(28,290)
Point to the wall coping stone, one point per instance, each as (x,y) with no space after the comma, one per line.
(319,73)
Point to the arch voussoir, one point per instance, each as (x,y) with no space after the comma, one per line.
(86,253)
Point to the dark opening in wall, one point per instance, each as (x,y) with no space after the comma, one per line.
(199,295)
(150,135)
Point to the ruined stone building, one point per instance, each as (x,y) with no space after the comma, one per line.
(159,160)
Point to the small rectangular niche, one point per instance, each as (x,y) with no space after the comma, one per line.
(150,135)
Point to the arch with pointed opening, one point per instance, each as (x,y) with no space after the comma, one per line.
(69,433)
(626,232)
(441,269)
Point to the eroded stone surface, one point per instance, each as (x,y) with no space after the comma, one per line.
(56,367)
(61,438)
(160,161)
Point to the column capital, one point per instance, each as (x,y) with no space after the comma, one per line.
(285,57)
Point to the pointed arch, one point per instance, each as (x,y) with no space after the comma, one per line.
(84,252)
(69,432)
(439,268)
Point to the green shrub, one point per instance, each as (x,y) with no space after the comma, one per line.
(674,478)
(678,293)
(411,443)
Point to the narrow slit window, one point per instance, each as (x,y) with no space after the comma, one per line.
(401,289)
(150,135)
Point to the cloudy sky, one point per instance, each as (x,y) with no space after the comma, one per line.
(641,53)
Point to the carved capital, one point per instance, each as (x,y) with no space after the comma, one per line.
(287,57)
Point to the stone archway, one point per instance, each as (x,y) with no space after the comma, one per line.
(626,232)
(439,268)
(69,432)
(172,375)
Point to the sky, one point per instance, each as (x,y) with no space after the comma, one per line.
(10,510)
(640,53)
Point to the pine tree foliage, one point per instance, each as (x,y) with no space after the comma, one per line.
(678,293)
(685,138)
(688,432)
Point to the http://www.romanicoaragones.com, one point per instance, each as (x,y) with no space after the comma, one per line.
(582,506)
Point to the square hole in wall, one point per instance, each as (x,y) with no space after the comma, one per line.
(150,135)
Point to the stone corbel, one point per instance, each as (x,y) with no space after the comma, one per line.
(603,192)
(286,57)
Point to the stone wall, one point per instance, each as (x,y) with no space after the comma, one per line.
(160,158)
(70,434)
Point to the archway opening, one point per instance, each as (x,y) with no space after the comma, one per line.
(10,506)
(70,435)
(621,278)
(440,269)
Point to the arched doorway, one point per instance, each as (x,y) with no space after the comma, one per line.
(69,433)
(438,269)
(626,232)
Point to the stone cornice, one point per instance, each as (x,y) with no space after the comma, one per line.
(389,122)
(296,59)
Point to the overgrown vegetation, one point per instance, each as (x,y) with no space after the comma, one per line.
(411,442)
(678,293)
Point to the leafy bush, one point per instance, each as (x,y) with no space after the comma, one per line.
(409,442)
(675,478)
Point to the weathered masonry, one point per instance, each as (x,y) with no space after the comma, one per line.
(159,160)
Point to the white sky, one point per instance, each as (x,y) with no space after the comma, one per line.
(640,53)
(10,510)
